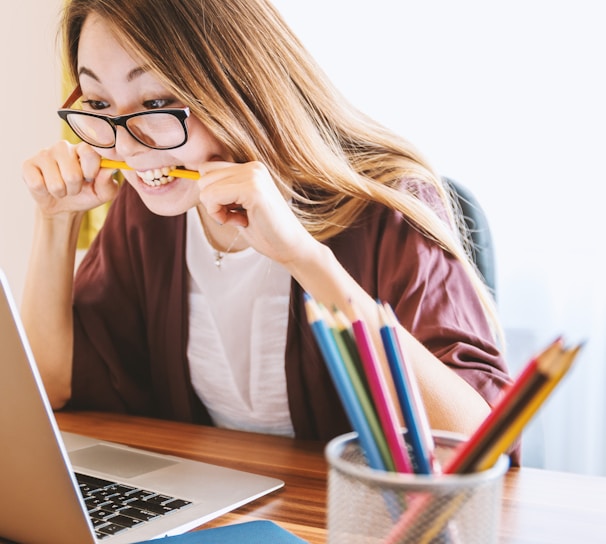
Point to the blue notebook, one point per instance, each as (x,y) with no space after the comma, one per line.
(251,532)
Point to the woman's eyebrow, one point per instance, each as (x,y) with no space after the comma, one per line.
(84,71)
(133,74)
(136,72)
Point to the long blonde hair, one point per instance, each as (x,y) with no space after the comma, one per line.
(246,76)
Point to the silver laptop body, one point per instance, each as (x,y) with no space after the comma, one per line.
(40,501)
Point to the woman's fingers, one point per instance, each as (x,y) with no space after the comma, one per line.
(246,195)
(68,177)
(105,186)
(231,188)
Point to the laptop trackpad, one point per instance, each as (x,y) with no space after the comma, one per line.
(117,461)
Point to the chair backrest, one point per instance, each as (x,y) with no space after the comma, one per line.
(482,249)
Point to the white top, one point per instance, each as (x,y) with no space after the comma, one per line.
(237,335)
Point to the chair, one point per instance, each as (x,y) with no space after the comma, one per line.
(520,341)
(482,250)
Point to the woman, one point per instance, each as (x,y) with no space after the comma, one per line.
(189,304)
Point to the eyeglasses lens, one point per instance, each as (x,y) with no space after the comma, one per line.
(92,130)
(160,130)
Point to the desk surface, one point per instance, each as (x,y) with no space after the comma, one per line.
(538,506)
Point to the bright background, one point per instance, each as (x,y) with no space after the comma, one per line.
(507,98)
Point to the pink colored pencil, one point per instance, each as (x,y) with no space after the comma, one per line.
(386,409)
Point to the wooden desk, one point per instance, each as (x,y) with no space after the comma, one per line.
(538,506)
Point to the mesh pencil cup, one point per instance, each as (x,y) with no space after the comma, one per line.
(367,506)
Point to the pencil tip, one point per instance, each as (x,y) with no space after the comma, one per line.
(383,318)
(575,349)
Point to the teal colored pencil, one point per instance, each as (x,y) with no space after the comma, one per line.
(342,383)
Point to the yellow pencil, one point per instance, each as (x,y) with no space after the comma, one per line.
(556,372)
(177,173)
(554,367)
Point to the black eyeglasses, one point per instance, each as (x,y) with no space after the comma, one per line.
(158,129)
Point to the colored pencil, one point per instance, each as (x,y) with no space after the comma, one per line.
(342,383)
(381,396)
(423,421)
(354,407)
(511,402)
(344,326)
(527,394)
(177,173)
(421,459)
(555,372)
(427,520)
(410,399)
(349,354)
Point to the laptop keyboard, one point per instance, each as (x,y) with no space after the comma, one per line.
(115,507)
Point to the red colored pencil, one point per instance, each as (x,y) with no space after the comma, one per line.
(498,431)
(531,378)
(555,371)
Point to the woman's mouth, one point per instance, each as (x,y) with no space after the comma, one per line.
(157,176)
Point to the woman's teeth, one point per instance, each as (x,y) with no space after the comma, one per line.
(157,176)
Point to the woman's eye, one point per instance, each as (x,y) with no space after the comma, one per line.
(158,103)
(96,104)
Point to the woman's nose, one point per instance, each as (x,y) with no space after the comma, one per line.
(126,144)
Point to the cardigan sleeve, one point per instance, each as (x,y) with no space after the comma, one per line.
(130,317)
(435,300)
(109,357)
(431,294)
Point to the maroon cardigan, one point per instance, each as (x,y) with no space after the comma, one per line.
(131,317)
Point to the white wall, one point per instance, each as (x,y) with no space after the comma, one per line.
(29,96)
(506,97)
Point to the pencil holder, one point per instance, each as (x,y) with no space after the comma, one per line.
(367,506)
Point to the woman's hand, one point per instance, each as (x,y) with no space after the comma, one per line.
(245,195)
(65,181)
(68,178)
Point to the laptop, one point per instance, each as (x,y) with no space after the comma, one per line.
(45,474)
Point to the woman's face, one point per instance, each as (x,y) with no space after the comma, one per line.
(115,83)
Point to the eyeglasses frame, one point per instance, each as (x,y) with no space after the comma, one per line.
(181,114)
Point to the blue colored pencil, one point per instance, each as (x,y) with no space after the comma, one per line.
(423,427)
(421,458)
(342,383)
